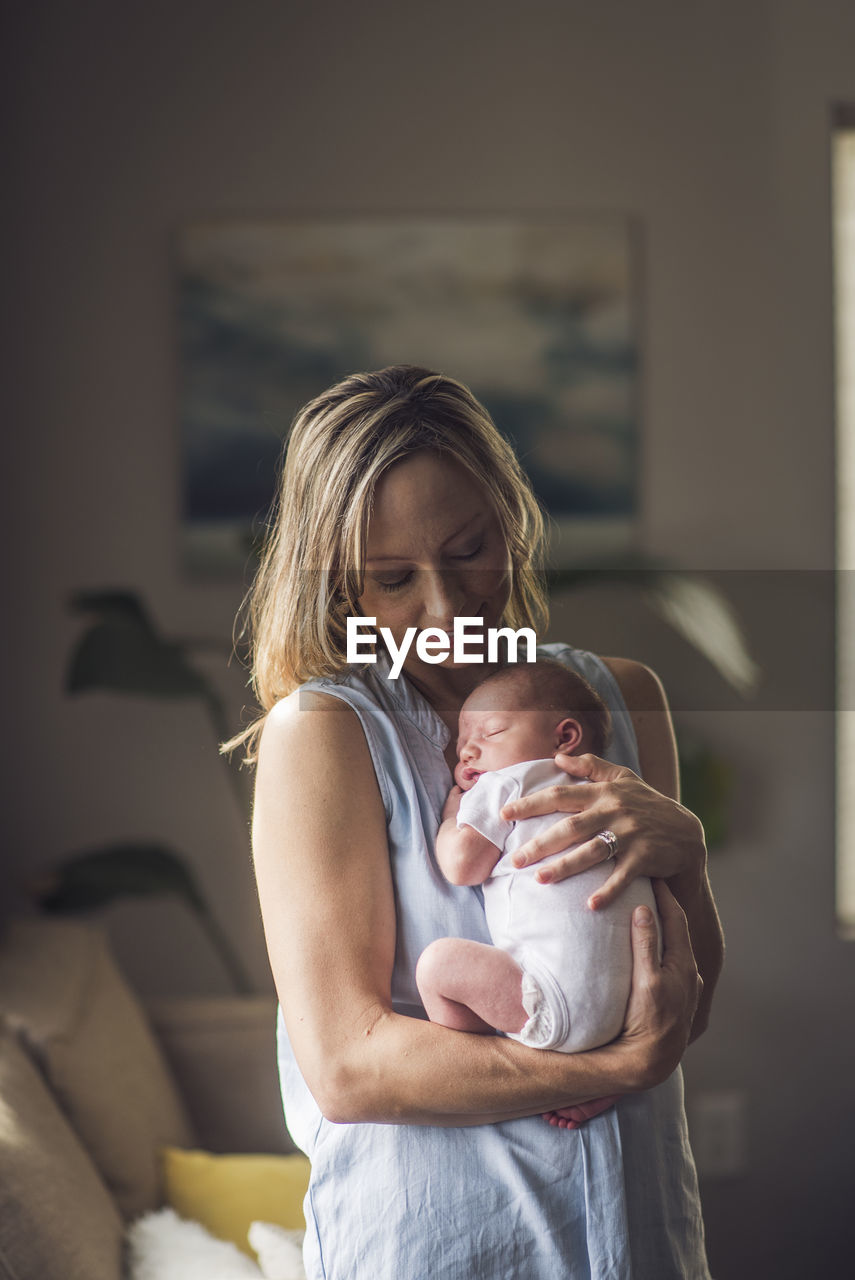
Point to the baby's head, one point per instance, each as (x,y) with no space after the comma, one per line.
(528,711)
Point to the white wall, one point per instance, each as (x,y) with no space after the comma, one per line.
(709,122)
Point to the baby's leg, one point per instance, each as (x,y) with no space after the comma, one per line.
(471,986)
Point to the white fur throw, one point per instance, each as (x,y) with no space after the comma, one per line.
(162,1246)
(279,1251)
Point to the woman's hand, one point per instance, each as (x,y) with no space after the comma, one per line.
(664,995)
(656,836)
(662,1004)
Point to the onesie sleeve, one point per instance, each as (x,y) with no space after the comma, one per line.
(479,808)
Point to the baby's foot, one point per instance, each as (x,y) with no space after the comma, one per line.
(575,1117)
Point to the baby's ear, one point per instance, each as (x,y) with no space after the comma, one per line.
(568,735)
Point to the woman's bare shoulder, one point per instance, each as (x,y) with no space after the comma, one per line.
(307,714)
(641,687)
(648,709)
(314,773)
(317,742)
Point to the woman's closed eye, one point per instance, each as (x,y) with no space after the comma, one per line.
(470,555)
(396,584)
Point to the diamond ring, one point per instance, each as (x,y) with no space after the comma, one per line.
(609,839)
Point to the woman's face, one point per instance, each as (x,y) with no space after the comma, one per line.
(435,551)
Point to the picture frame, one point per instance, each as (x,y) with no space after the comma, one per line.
(536,314)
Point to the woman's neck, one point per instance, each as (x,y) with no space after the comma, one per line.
(447,688)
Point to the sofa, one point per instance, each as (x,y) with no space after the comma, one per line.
(94,1087)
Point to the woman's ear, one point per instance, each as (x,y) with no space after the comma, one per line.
(568,735)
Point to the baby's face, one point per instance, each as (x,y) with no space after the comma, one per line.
(494,731)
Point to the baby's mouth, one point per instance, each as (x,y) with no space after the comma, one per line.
(470,775)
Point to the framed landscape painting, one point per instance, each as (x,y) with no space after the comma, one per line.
(535,314)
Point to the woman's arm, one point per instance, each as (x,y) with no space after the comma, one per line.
(327,901)
(657,753)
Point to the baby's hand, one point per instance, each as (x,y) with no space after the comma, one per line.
(452,803)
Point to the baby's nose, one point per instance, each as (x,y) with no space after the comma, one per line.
(467,752)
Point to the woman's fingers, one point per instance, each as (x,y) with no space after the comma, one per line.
(572,834)
(560,798)
(678,958)
(656,836)
(576,833)
(590,809)
(664,994)
(623,874)
(569,798)
(676,943)
(580,857)
(645,944)
(592,767)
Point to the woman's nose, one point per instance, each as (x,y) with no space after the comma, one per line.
(444,599)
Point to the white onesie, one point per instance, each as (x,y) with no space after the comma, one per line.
(577,963)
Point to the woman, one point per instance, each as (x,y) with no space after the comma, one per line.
(430,1155)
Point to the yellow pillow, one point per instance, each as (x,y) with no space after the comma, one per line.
(228,1193)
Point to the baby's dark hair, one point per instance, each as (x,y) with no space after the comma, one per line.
(548,685)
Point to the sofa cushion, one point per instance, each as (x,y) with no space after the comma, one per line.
(228,1193)
(57,1220)
(61,992)
(221,1052)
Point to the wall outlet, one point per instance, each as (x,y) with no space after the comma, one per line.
(718,1132)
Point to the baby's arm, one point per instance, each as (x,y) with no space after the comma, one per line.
(464,855)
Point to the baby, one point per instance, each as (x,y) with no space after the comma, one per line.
(558,976)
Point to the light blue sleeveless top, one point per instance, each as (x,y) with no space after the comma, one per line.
(614,1200)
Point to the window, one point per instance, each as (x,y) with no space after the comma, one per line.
(843,214)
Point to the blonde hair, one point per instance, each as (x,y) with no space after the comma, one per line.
(311,571)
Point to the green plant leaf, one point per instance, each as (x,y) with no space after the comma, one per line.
(706,787)
(127,657)
(703,616)
(121,605)
(689,602)
(95,877)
